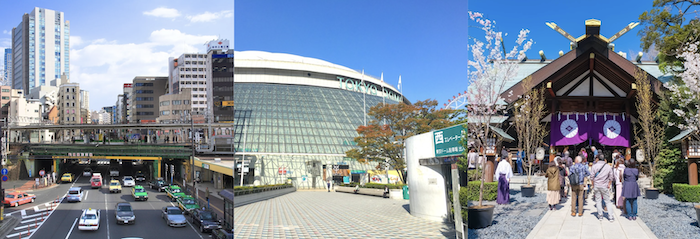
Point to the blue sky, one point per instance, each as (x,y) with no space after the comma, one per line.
(511,16)
(424,42)
(114,41)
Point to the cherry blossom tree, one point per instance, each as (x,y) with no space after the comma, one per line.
(686,91)
(490,69)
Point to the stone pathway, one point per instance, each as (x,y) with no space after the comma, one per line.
(560,224)
(320,214)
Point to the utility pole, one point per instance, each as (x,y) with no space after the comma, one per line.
(193,151)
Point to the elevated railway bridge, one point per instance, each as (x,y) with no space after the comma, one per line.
(148,148)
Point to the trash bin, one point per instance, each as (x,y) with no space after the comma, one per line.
(405,192)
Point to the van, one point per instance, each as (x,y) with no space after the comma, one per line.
(96,180)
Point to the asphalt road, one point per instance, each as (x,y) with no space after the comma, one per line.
(149,224)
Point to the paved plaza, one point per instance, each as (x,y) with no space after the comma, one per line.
(561,225)
(320,214)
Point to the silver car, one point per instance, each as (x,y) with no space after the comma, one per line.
(75,194)
(173,217)
(124,213)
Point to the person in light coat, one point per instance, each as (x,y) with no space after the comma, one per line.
(504,172)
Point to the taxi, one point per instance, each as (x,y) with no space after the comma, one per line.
(89,220)
(174,192)
(139,193)
(114,186)
(67,177)
(187,203)
(17,198)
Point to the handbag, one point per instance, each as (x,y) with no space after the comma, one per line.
(574,178)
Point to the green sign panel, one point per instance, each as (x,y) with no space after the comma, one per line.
(446,141)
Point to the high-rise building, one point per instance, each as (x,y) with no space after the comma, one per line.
(145,95)
(8,64)
(220,81)
(189,71)
(69,104)
(40,49)
(126,103)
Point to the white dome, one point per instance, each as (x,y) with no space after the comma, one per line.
(269,56)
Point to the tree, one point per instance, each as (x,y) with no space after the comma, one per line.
(668,27)
(382,140)
(529,111)
(489,70)
(651,134)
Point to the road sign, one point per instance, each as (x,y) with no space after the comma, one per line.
(4,171)
(4,178)
(446,141)
(42,172)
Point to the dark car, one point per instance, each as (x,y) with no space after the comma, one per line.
(206,221)
(221,234)
(140,177)
(124,213)
(158,184)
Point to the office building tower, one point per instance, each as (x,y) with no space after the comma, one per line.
(40,49)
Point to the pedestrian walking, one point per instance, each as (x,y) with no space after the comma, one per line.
(329,185)
(619,171)
(579,172)
(602,179)
(583,154)
(519,162)
(562,177)
(504,152)
(504,172)
(552,175)
(594,151)
(569,163)
(630,189)
(473,158)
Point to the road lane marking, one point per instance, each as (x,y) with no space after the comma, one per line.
(71,228)
(106,216)
(23,212)
(33,215)
(28,225)
(86,193)
(36,208)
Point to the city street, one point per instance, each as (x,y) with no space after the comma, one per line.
(321,214)
(62,222)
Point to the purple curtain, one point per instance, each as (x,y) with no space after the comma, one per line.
(612,130)
(569,129)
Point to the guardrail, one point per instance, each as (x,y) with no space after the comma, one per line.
(258,190)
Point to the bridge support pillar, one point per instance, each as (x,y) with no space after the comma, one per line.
(156,168)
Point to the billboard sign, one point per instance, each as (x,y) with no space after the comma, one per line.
(446,141)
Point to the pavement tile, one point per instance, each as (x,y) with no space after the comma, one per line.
(309,214)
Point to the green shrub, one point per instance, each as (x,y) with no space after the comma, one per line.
(381,186)
(670,168)
(242,190)
(471,192)
(686,193)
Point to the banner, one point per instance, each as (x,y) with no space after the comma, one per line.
(569,129)
(612,130)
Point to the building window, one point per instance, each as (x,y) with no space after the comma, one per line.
(5,90)
(186,102)
(164,103)
(5,98)
(177,102)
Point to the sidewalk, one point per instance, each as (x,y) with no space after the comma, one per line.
(202,187)
(26,185)
(560,224)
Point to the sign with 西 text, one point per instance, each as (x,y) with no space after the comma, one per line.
(446,141)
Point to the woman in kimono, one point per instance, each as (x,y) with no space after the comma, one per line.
(504,172)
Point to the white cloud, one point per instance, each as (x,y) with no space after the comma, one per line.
(163,12)
(103,66)
(210,16)
(6,32)
(75,41)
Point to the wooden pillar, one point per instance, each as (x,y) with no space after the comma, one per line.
(692,171)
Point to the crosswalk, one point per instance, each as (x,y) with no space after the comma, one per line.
(31,219)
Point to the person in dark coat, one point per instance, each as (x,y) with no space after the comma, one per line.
(562,176)
(630,189)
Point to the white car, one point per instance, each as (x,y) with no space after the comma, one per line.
(87,172)
(75,194)
(128,181)
(90,220)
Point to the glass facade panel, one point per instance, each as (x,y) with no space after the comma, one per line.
(288,124)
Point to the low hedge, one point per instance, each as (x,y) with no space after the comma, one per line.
(686,193)
(471,192)
(242,190)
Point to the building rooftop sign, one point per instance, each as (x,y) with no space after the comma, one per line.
(220,44)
